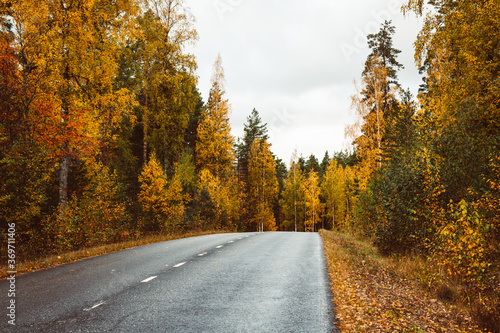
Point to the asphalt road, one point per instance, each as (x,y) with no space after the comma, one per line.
(270,282)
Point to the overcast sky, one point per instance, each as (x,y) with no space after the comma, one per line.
(295,62)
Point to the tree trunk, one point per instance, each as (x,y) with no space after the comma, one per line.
(63,178)
(64,163)
(65,158)
(145,143)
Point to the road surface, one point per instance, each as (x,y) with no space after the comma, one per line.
(251,282)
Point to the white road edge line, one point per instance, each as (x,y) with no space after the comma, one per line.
(95,306)
(149,279)
(179,264)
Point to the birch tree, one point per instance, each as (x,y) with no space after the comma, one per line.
(263,186)
(312,202)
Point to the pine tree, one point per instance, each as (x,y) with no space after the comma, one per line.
(381,45)
(375,102)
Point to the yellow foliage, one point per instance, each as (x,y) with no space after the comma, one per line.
(312,192)
(97,216)
(162,202)
(293,197)
(263,185)
(463,244)
(214,149)
(223,198)
(333,189)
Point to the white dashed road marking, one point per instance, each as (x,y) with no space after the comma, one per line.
(202,254)
(218,247)
(95,306)
(148,279)
(179,264)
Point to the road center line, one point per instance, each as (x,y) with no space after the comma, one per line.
(148,279)
(218,247)
(202,254)
(95,306)
(179,264)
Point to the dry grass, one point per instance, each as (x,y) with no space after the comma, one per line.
(374,293)
(29,265)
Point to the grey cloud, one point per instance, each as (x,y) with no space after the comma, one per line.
(287,54)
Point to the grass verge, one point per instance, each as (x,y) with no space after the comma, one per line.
(24,266)
(374,293)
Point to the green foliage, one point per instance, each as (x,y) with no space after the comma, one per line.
(191,134)
(463,243)
(253,130)
(381,45)
(281,173)
(97,216)
(312,164)
(168,93)
(26,182)
(398,196)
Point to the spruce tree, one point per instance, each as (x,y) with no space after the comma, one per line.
(324,165)
(254,129)
(312,164)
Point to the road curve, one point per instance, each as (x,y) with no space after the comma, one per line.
(269,282)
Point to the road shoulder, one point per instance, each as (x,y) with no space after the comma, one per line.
(370,296)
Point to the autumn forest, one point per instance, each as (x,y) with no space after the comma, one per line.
(104,137)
